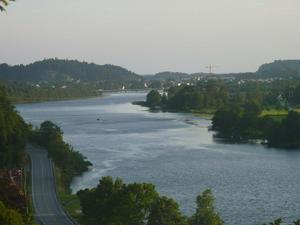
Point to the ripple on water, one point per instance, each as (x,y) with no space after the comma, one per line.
(177,153)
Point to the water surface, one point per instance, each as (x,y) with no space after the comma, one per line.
(177,153)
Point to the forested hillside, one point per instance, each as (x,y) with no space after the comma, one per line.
(57,70)
(169,76)
(13,135)
(280,68)
(23,92)
(15,208)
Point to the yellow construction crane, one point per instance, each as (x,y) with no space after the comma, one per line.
(210,67)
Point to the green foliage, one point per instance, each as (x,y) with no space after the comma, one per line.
(165,211)
(297,222)
(205,212)
(11,195)
(284,133)
(72,163)
(57,71)
(280,68)
(186,98)
(10,216)
(276,222)
(115,203)
(13,134)
(153,98)
(170,76)
(23,92)
(279,222)
(237,123)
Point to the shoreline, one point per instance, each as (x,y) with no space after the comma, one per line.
(53,100)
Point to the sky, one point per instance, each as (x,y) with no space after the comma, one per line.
(150,36)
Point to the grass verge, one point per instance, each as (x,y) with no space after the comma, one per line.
(69,201)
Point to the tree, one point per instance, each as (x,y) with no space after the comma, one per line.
(165,211)
(10,216)
(100,204)
(297,222)
(72,163)
(205,212)
(13,134)
(279,222)
(276,222)
(252,109)
(3,4)
(284,133)
(153,98)
(11,194)
(136,202)
(113,202)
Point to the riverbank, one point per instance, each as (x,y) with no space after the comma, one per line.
(28,101)
(70,202)
(129,142)
(205,113)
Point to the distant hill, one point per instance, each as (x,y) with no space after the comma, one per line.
(57,70)
(280,68)
(114,77)
(169,76)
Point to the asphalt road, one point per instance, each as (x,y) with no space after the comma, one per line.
(48,210)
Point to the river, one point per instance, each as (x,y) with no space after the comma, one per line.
(176,152)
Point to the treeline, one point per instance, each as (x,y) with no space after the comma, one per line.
(113,202)
(280,68)
(26,92)
(71,163)
(212,95)
(279,221)
(188,98)
(238,109)
(10,217)
(21,92)
(14,133)
(244,123)
(59,70)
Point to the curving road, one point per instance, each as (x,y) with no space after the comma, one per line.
(48,210)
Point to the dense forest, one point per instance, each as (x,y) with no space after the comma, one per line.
(55,79)
(243,123)
(22,92)
(240,109)
(168,76)
(72,163)
(211,95)
(280,68)
(14,133)
(113,202)
(58,70)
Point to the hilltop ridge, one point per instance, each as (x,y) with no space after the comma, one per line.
(58,70)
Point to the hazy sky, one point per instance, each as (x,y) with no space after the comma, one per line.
(148,36)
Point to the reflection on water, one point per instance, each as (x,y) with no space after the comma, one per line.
(177,153)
